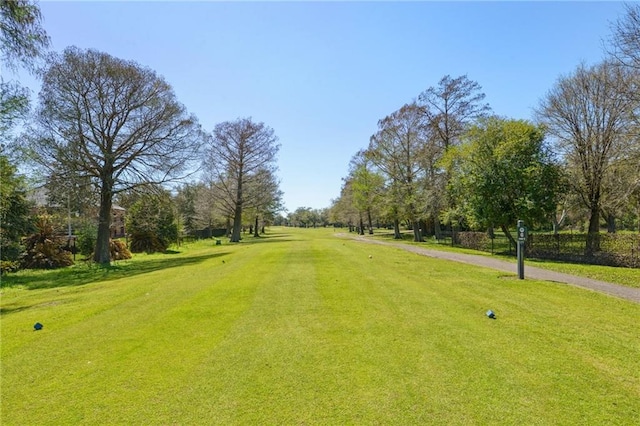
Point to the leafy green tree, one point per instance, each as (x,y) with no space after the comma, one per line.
(151,223)
(15,217)
(342,211)
(449,109)
(185,200)
(396,150)
(504,172)
(22,42)
(367,188)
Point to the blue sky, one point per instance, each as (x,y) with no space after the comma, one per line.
(322,74)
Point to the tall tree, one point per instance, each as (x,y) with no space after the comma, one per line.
(505,172)
(115,122)
(624,44)
(589,115)
(367,187)
(263,197)
(22,42)
(396,150)
(450,108)
(237,151)
(342,210)
(15,215)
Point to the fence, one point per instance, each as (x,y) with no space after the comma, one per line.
(615,249)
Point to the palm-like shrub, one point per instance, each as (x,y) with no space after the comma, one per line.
(44,249)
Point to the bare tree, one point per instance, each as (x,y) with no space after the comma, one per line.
(114,122)
(237,151)
(588,113)
(451,106)
(263,197)
(624,44)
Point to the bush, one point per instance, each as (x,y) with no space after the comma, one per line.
(146,241)
(86,243)
(44,249)
(151,223)
(119,250)
(8,266)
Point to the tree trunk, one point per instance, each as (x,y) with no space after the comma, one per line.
(361,232)
(558,222)
(593,234)
(370,222)
(611,223)
(512,241)
(228,226)
(436,228)
(423,228)
(237,219)
(102,253)
(396,229)
(417,237)
(255,228)
(237,223)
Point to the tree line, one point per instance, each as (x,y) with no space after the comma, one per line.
(109,130)
(445,160)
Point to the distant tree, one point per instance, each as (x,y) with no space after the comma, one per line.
(449,108)
(15,216)
(367,187)
(237,152)
(589,115)
(263,197)
(504,172)
(301,217)
(342,210)
(396,150)
(185,201)
(22,42)
(114,122)
(151,223)
(619,186)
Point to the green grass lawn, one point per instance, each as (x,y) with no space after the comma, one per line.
(301,327)
(629,277)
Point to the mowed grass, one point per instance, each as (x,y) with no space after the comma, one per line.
(302,327)
(629,277)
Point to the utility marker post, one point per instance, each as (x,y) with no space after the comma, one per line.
(522,236)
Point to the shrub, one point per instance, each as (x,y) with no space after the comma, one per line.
(146,241)
(8,266)
(44,249)
(119,250)
(86,243)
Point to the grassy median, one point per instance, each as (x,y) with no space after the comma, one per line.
(301,327)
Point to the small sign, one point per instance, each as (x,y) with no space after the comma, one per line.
(522,233)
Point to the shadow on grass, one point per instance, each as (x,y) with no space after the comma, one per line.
(266,238)
(86,274)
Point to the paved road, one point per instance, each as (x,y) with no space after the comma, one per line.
(616,290)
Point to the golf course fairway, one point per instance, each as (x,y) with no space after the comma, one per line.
(301,326)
